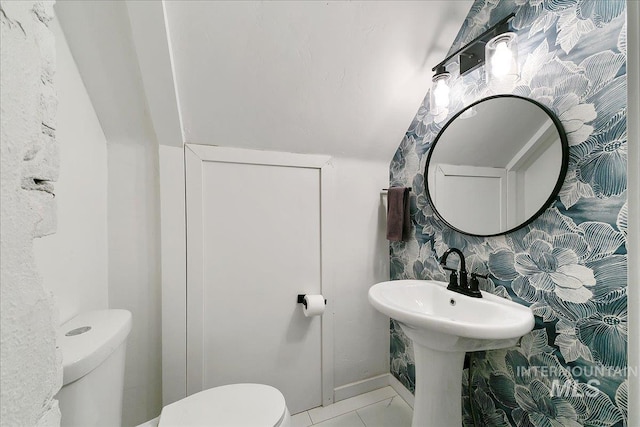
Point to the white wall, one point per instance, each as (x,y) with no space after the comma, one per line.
(359,260)
(73,262)
(361,333)
(134,269)
(174,273)
(99,35)
(317,69)
(538,179)
(30,365)
(121,77)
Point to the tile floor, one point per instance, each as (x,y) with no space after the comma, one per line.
(378,408)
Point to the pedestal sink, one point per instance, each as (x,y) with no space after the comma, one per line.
(443,326)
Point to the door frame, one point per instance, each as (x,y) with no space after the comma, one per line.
(181,378)
(445,170)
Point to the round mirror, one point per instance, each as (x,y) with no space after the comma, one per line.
(496,165)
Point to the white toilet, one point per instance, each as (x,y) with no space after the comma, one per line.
(93,354)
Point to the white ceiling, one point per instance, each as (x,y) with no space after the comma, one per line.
(338,78)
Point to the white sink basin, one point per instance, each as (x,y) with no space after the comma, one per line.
(445,320)
(443,325)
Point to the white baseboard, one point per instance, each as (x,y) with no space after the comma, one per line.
(402,391)
(360,387)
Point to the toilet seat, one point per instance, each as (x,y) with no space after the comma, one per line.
(233,405)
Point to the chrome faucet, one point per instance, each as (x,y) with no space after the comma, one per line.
(469,289)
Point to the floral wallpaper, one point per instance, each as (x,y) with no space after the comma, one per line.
(570,264)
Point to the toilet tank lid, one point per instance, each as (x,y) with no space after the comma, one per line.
(233,405)
(89,339)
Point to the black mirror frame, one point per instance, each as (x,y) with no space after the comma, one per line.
(559,182)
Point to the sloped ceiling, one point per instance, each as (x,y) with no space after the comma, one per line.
(338,78)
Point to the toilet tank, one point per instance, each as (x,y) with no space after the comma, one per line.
(93,348)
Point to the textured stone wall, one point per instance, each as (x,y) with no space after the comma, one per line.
(30,364)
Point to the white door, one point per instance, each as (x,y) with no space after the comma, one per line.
(253,244)
(461,190)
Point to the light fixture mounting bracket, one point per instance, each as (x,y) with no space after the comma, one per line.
(471,55)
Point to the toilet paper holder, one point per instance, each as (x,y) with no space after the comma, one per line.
(301,300)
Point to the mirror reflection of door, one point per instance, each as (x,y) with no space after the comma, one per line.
(531,173)
(468,196)
(493,170)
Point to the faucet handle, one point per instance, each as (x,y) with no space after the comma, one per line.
(474,284)
(453,278)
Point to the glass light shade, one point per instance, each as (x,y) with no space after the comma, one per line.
(440,91)
(501,53)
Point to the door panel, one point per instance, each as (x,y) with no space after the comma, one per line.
(262,248)
(466,196)
(260,240)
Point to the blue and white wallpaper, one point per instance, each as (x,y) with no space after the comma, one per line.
(570,264)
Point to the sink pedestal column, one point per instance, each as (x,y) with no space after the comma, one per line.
(443,326)
(438,396)
(438,399)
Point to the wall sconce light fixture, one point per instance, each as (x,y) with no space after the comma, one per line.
(498,46)
(502,57)
(440,89)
